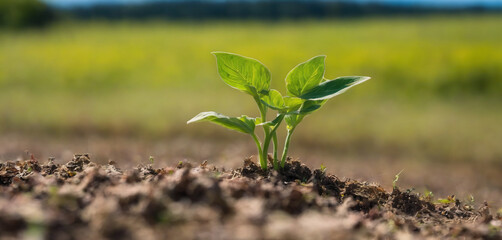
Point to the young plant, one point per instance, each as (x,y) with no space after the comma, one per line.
(307,91)
(396,178)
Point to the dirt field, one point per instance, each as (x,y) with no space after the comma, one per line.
(206,192)
(482,180)
(82,200)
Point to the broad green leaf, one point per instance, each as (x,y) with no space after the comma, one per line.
(292,103)
(305,76)
(242,124)
(310,106)
(243,73)
(333,88)
(273,100)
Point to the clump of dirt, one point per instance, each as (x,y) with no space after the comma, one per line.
(82,200)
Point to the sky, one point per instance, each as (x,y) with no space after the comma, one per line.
(437,3)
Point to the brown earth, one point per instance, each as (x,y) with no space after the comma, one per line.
(85,200)
(467,179)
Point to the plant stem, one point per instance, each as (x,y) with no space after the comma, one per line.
(291,129)
(276,158)
(286,147)
(262,108)
(263,162)
(266,130)
(268,138)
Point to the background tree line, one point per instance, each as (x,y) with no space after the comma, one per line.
(34,13)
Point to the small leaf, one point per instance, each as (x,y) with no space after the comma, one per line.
(323,168)
(396,178)
(273,122)
(450,199)
(243,73)
(286,104)
(257,121)
(242,124)
(305,76)
(273,100)
(276,101)
(292,120)
(292,103)
(332,88)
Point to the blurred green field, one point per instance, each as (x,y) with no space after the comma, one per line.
(436,91)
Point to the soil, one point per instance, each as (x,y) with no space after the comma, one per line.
(85,200)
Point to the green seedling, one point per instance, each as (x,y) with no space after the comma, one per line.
(323,168)
(428,196)
(471,199)
(396,178)
(307,91)
(448,200)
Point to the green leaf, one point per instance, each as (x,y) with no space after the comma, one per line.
(333,88)
(310,106)
(257,121)
(243,73)
(242,124)
(292,103)
(273,122)
(305,76)
(276,101)
(292,120)
(273,100)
